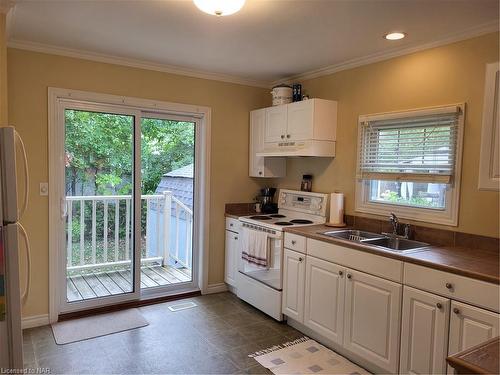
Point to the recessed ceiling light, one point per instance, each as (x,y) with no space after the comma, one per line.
(219,7)
(394,36)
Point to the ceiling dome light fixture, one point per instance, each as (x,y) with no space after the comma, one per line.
(219,7)
(394,35)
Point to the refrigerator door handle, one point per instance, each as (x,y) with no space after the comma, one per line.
(26,174)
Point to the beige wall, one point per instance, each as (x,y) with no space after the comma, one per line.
(3,71)
(444,75)
(31,73)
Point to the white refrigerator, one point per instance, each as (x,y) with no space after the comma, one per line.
(11,340)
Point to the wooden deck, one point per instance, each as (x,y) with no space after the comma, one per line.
(102,284)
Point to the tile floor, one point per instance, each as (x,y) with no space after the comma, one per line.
(213,338)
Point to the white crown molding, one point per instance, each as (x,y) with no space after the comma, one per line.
(377,57)
(110,59)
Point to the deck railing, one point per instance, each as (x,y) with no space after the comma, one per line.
(99,231)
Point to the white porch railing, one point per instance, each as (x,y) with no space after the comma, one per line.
(99,231)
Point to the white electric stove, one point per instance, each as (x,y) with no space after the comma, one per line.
(262,287)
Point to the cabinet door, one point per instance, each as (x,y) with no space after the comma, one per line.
(373,319)
(257,123)
(300,120)
(470,326)
(424,334)
(324,298)
(231,258)
(275,127)
(294,272)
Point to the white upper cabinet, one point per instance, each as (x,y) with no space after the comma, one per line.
(260,166)
(372,319)
(424,332)
(306,128)
(276,123)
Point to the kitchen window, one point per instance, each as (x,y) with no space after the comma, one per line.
(409,163)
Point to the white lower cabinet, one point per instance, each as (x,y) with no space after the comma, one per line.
(372,319)
(470,326)
(324,298)
(393,328)
(424,332)
(231,257)
(294,272)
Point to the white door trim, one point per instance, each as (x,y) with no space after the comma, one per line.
(202,195)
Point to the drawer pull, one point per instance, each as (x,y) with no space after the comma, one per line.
(349,276)
(235,238)
(439,306)
(456,310)
(301,259)
(231,224)
(449,286)
(294,242)
(341,273)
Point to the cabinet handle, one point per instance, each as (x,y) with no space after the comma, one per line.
(438,305)
(449,286)
(301,259)
(456,310)
(349,276)
(235,238)
(294,242)
(288,135)
(282,136)
(260,173)
(341,273)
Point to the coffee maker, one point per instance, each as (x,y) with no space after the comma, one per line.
(266,200)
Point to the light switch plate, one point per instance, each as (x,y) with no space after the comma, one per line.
(44,188)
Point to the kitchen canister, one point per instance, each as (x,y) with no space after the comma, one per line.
(282,94)
(336,210)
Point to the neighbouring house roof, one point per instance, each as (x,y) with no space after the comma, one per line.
(180,183)
(186,172)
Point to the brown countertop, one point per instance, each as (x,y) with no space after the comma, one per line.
(467,261)
(480,359)
(235,210)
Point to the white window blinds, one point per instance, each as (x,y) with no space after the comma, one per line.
(409,146)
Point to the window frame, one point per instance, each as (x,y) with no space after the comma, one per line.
(446,216)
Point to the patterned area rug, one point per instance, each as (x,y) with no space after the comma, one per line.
(305,356)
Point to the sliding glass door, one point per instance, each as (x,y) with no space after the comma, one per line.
(128,204)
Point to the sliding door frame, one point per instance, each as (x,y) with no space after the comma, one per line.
(59,99)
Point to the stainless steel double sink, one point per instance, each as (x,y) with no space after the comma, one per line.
(386,242)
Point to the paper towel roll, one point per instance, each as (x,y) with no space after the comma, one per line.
(337,209)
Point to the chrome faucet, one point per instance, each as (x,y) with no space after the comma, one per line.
(393,219)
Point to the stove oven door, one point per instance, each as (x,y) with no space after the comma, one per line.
(270,275)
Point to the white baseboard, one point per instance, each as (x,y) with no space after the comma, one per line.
(216,288)
(35,321)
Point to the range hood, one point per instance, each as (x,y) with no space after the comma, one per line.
(300,148)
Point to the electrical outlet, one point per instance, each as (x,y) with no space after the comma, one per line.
(44,188)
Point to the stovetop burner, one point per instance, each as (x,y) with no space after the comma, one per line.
(283,223)
(277,216)
(301,221)
(260,217)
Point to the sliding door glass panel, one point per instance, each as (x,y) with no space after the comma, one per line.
(167,183)
(99,159)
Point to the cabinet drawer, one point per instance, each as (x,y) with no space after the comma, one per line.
(387,268)
(453,286)
(232,224)
(295,242)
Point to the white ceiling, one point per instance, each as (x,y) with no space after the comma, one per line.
(269,40)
